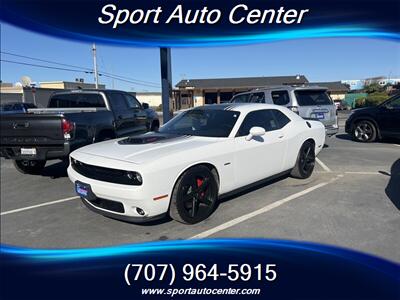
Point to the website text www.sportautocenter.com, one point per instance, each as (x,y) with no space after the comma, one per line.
(200,291)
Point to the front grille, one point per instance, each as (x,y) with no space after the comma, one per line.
(102,174)
(108,205)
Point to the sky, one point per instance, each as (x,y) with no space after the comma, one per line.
(329,59)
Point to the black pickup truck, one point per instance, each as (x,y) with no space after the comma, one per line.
(72,119)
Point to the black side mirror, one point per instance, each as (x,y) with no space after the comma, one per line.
(145,105)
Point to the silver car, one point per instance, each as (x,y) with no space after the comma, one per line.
(310,102)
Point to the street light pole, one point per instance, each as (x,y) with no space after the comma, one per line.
(96,74)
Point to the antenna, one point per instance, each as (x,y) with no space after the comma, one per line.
(26,81)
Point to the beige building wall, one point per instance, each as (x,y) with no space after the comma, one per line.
(69,85)
(198,98)
(338,97)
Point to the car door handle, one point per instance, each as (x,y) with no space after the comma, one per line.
(281,136)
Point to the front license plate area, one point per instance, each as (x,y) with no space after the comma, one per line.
(84,190)
(28,151)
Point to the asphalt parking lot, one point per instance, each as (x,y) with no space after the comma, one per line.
(352,200)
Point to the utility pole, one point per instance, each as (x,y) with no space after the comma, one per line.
(96,74)
(166,82)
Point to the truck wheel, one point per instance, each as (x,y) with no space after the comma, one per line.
(29,166)
(305,161)
(155,125)
(194,196)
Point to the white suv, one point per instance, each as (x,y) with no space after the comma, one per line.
(310,102)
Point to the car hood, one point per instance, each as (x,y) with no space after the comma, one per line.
(364,109)
(147,147)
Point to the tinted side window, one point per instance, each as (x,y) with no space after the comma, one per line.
(90,100)
(280,117)
(76,100)
(132,101)
(257,98)
(63,100)
(280,97)
(241,98)
(118,102)
(259,118)
(395,103)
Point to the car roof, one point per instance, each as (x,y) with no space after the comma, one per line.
(285,87)
(240,107)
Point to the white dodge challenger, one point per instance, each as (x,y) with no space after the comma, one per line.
(192,160)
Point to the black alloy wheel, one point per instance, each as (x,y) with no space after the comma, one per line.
(305,161)
(195,196)
(364,131)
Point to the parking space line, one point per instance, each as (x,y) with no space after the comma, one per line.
(364,173)
(262,210)
(38,205)
(323,166)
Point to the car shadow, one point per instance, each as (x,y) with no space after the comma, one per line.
(344,136)
(56,170)
(393,188)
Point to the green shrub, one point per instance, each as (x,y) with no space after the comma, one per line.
(360,102)
(375,99)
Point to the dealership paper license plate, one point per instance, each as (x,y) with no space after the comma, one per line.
(82,189)
(28,151)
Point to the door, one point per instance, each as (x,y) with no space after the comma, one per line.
(139,114)
(263,156)
(389,118)
(124,116)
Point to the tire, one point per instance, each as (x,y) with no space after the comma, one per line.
(364,131)
(305,161)
(154,126)
(194,196)
(29,166)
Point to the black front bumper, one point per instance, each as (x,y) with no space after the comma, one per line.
(45,152)
(125,218)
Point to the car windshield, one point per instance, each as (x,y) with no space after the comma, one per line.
(202,122)
(312,97)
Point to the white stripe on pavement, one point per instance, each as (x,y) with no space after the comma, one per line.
(38,205)
(262,210)
(364,173)
(323,166)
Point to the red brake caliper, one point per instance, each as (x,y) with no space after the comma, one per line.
(199,183)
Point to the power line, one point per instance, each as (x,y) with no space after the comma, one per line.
(46,67)
(115,76)
(129,81)
(46,61)
(74,70)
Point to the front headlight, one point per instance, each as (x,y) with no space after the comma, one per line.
(134,177)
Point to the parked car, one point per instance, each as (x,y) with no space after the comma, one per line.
(196,157)
(369,124)
(73,119)
(309,102)
(153,121)
(15,108)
